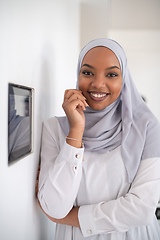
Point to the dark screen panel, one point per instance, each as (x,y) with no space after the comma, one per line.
(19,122)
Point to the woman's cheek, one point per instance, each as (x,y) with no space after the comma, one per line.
(81,84)
(117,86)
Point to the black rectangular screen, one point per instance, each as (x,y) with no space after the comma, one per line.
(19,121)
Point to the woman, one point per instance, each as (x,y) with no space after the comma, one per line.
(100,165)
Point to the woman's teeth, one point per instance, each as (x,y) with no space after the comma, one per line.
(98,95)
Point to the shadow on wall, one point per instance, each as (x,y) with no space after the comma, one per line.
(45,86)
(44,109)
(46,78)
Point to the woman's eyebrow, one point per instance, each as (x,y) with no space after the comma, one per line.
(87,65)
(109,68)
(112,67)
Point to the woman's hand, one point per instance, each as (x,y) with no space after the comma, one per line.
(74,104)
(37,181)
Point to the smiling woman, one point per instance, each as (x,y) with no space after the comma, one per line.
(100,78)
(100,164)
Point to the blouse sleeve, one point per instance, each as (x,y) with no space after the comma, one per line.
(60,173)
(134,209)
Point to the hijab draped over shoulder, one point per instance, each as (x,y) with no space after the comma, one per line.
(127,121)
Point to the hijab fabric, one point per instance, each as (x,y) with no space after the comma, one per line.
(127,121)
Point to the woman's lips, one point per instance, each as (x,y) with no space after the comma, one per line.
(98,96)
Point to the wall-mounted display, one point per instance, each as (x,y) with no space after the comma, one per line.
(20,121)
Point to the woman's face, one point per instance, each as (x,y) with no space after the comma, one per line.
(100,78)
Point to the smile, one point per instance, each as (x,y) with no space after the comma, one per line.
(98,96)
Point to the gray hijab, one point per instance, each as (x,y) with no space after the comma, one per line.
(127,121)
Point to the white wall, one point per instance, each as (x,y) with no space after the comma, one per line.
(95,16)
(135,14)
(39,45)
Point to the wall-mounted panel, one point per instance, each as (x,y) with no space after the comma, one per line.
(20,119)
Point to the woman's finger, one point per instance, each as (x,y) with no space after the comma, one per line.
(75,104)
(69,92)
(77,96)
(71,95)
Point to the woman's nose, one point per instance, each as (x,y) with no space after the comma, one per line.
(98,82)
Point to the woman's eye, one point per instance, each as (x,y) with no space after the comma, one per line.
(112,75)
(87,73)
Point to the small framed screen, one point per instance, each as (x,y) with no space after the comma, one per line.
(20,120)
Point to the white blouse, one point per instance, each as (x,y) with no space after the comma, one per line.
(110,207)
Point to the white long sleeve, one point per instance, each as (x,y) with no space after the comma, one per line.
(60,174)
(135,209)
(110,208)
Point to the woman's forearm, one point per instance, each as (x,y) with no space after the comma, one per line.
(71,219)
